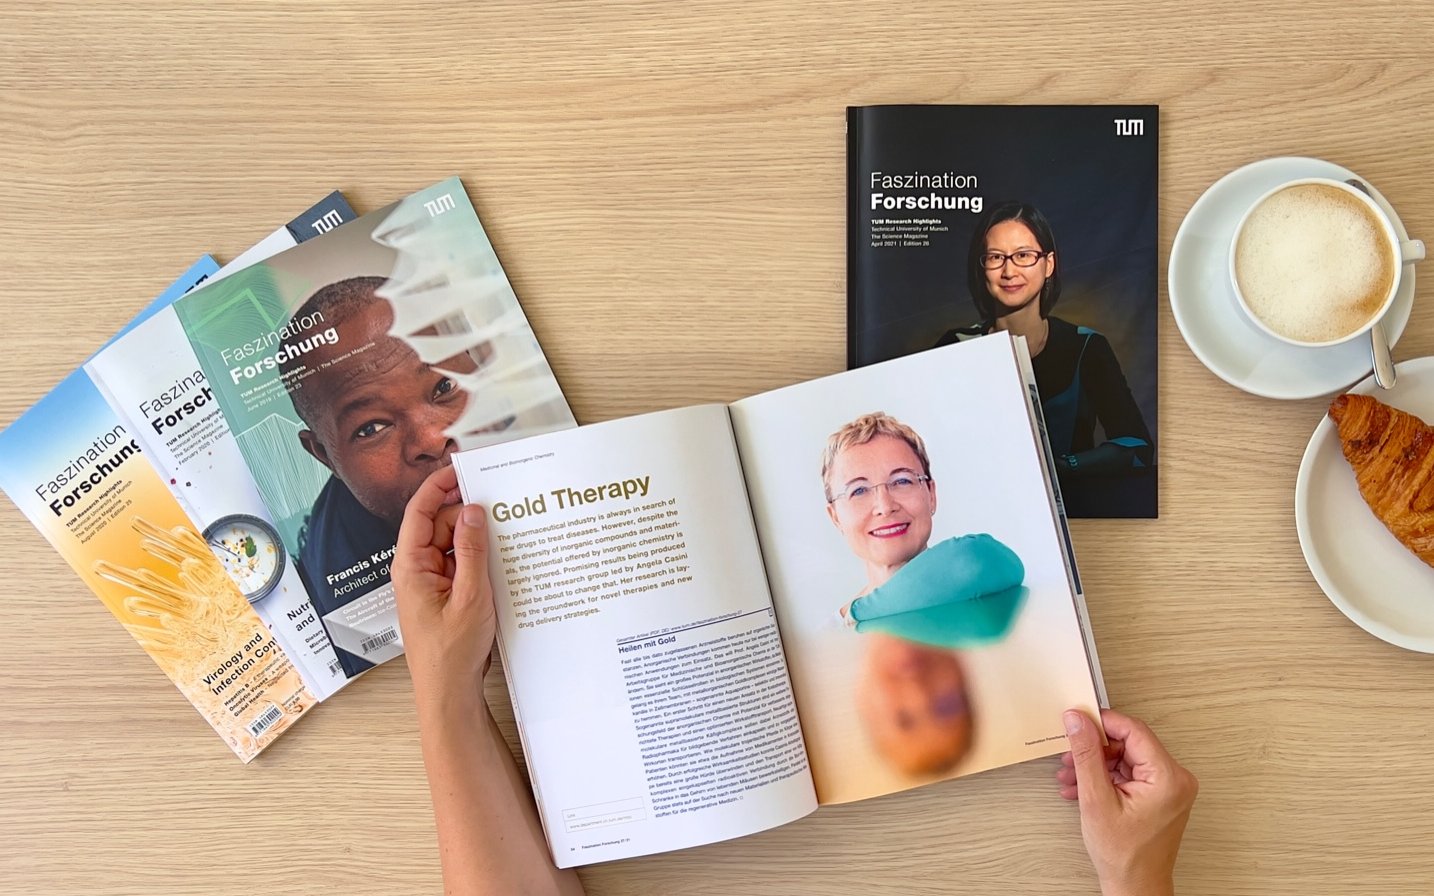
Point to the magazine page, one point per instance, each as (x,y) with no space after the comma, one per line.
(1036,220)
(350,367)
(916,567)
(638,637)
(79,475)
(152,379)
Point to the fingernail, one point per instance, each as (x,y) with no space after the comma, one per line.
(473,515)
(1073,720)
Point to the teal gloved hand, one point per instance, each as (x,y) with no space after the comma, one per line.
(964,592)
(959,626)
(955,570)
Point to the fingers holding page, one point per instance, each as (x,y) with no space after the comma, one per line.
(470,556)
(445,601)
(1116,768)
(422,571)
(1134,801)
(1143,757)
(439,490)
(1133,754)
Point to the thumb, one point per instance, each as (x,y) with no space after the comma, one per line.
(1092,779)
(470,555)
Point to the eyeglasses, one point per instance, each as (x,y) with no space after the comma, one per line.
(1025,258)
(898,488)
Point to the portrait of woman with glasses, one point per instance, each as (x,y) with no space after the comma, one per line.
(1013,274)
(912,692)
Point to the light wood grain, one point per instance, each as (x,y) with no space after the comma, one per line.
(665,185)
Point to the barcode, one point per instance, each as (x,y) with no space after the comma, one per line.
(334,666)
(368,645)
(266,720)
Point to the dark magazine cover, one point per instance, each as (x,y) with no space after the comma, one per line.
(1039,220)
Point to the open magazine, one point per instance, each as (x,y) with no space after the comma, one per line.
(716,618)
(347,369)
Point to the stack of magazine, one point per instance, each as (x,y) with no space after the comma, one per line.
(229,471)
(820,594)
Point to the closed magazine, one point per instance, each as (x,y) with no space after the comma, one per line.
(350,367)
(1034,220)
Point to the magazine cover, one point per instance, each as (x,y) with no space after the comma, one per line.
(1038,220)
(79,475)
(151,378)
(352,366)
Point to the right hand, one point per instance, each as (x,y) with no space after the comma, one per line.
(1134,798)
(445,600)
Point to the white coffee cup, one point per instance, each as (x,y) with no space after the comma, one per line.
(1317,262)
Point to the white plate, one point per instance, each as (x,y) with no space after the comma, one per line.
(1381,586)
(1209,316)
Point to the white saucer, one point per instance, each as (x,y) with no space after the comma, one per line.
(1210,318)
(1381,586)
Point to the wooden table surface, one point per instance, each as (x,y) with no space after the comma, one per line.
(665,184)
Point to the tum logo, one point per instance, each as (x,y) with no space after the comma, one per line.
(1129,127)
(329,221)
(440,205)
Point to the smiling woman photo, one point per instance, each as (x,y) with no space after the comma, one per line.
(880,493)
(881,496)
(1013,275)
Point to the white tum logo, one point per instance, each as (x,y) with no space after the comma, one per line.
(1129,127)
(440,205)
(329,221)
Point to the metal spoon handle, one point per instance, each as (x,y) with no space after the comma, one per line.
(1379,350)
(1378,339)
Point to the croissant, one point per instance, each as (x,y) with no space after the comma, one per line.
(1392,453)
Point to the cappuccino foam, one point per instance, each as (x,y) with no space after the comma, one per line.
(1314,263)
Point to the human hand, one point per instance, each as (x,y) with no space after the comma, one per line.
(1134,798)
(445,601)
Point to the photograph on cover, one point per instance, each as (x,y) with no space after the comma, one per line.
(917,572)
(354,365)
(75,471)
(1040,221)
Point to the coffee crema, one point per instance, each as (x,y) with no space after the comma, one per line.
(1314,263)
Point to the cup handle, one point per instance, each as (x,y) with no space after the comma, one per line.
(1411,251)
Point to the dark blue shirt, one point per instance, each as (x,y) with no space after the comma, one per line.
(338,534)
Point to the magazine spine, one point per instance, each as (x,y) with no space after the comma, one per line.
(1053,486)
(854,144)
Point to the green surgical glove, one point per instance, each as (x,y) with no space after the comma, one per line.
(964,592)
(957,569)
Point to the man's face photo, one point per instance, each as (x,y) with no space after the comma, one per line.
(378,416)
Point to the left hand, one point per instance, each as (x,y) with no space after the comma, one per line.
(445,600)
